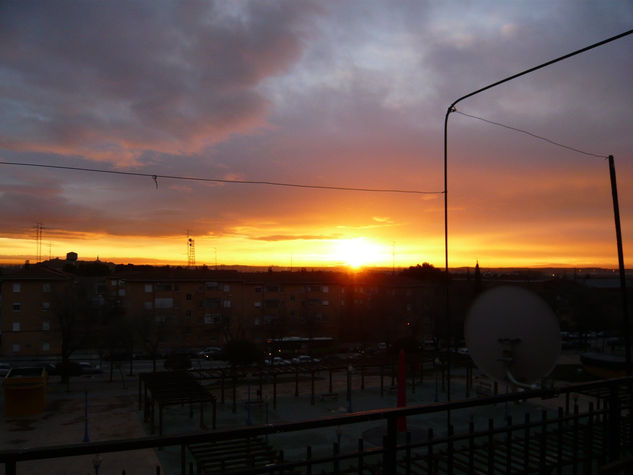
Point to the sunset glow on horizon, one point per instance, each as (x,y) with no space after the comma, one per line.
(328,97)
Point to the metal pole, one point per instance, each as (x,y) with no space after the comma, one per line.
(618,235)
(249,420)
(86,438)
(450,109)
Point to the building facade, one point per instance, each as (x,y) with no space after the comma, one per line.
(28,323)
(159,310)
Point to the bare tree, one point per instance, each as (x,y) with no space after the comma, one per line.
(74,309)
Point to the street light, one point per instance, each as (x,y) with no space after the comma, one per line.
(249,420)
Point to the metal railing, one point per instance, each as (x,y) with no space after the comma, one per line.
(595,431)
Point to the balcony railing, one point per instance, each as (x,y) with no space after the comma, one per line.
(592,429)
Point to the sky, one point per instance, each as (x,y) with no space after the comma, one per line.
(347,94)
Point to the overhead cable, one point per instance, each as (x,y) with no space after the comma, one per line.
(155,177)
(545,139)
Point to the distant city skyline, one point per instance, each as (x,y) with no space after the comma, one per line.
(339,94)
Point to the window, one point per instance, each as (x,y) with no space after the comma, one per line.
(165,302)
(188,313)
(211,318)
(46,346)
(148,305)
(46,325)
(148,288)
(121,292)
(46,306)
(227,304)
(163,287)
(227,288)
(211,285)
(212,303)
(325,289)
(46,287)
(325,303)
(16,306)
(15,326)
(258,304)
(160,319)
(15,348)
(271,304)
(258,289)
(113,283)
(272,288)
(188,296)
(17,288)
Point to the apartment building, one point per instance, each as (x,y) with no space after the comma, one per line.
(156,310)
(27,322)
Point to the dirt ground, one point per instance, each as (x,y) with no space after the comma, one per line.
(112,414)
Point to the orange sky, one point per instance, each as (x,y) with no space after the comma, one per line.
(319,93)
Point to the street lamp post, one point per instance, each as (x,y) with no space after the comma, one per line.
(249,419)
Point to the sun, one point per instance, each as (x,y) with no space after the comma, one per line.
(357,252)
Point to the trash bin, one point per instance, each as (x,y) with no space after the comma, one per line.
(24,391)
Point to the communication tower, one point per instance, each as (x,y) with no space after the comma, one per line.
(38,241)
(191,251)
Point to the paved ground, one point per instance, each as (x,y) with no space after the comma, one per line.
(112,414)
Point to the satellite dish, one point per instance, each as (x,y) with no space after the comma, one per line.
(512,335)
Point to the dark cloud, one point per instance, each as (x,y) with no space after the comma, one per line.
(110,79)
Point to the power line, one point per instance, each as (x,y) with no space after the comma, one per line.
(155,177)
(545,139)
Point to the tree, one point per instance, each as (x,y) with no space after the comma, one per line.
(153,330)
(425,271)
(73,308)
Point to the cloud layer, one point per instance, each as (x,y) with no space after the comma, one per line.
(325,93)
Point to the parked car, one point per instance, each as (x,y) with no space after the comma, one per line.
(210,352)
(4,369)
(276,361)
(86,367)
(75,368)
(303,359)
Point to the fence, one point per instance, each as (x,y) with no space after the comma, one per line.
(594,429)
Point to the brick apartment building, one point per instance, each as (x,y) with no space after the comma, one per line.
(164,309)
(28,323)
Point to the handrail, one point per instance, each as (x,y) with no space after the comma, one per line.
(16,455)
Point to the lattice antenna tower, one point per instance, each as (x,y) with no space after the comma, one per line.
(38,240)
(191,251)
